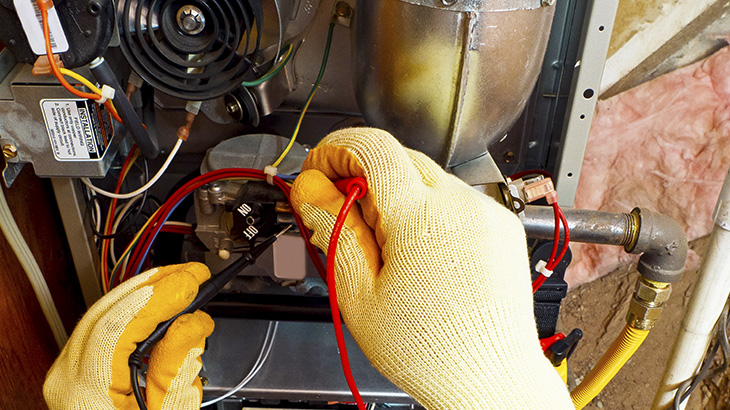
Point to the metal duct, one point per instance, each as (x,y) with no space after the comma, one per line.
(447,77)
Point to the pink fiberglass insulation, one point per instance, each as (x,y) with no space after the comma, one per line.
(664,146)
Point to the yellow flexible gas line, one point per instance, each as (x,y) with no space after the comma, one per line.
(612,361)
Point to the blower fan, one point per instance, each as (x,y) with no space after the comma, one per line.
(191,49)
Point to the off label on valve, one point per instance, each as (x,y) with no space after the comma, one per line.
(78,129)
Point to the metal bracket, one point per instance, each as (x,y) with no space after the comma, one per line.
(11,171)
(584,96)
(482,5)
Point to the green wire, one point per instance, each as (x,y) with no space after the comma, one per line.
(311,96)
(120,263)
(268,76)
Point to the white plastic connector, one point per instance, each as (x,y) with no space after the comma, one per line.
(270,171)
(135,80)
(107,93)
(541,266)
(193,107)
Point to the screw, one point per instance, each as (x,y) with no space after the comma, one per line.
(10,151)
(203,380)
(343,9)
(508,156)
(546,3)
(449,2)
(190,19)
(232,108)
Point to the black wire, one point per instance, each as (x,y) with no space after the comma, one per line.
(723,343)
(134,370)
(139,208)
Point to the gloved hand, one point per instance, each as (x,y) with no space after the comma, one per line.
(432,277)
(92,370)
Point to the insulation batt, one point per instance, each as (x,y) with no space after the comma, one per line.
(664,146)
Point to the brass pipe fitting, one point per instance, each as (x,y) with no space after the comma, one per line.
(647,303)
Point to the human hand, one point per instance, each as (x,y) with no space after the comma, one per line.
(432,277)
(92,371)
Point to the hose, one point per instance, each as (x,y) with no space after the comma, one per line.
(612,361)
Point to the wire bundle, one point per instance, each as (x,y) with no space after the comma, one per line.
(354,193)
(140,246)
(553,262)
(59,72)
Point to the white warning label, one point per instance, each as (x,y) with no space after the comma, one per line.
(76,128)
(30,18)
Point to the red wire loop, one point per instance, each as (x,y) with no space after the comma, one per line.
(554,260)
(354,192)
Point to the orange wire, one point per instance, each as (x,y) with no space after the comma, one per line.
(57,72)
(52,61)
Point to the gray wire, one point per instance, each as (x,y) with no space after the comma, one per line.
(263,356)
(688,386)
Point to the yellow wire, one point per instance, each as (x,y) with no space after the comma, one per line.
(78,77)
(109,216)
(295,133)
(125,254)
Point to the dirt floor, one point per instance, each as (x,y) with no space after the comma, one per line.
(599,309)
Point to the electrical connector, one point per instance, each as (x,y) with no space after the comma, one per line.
(540,187)
(193,107)
(43,67)
(133,83)
(184,132)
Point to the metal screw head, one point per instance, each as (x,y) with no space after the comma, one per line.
(448,2)
(190,19)
(232,108)
(10,151)
(508,156)
(546,3)
(343,9)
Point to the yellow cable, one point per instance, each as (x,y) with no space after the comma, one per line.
(78,77)
(110,218)
(612,361)
(296,131)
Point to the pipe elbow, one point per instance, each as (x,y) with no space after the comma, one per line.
(663,245)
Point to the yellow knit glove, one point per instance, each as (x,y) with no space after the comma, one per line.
(432,277)
(92,370)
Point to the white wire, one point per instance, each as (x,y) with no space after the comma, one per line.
(281,34)
(97,218)
(176,223)
(263,355)
(118,221)
(143,188)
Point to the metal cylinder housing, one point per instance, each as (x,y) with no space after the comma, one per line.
(447,77)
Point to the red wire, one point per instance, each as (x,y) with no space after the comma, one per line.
(112,208)
(328,274)
(566,240)
(553,262)
(521,174)
(184,230)
(331,250)
(154,226)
